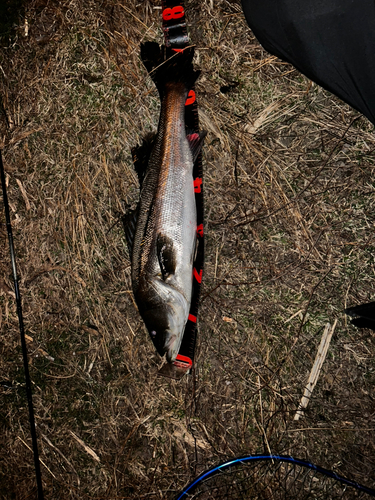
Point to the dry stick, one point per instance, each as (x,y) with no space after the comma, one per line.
(41,461)
(315,372)
(87,449)
(61,455)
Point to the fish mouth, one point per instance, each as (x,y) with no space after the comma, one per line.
(171,349)
(166,343)
(166,318)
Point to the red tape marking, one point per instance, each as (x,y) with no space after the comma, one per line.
(178,50)
(197,185)
(182,361)
(173,13)
(197,276)
(192,318)
(190,98)
(200,230)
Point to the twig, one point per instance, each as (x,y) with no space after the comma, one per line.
(261,417)
(24,194)
(85,447)
(61,455)
(315,372)
(293,316)
(135,17)
(40,460)
(343,428)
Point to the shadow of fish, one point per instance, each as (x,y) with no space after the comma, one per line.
(363,315)
(161,231)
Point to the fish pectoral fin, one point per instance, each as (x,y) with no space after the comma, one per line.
(129,221)
(196,141)
(166,255)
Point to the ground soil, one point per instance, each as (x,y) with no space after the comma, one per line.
(289,198)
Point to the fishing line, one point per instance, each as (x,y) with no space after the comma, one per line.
(272,476)
(22,332)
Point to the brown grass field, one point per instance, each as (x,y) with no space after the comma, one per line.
(289,210)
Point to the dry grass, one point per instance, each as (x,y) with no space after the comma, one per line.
(289,196)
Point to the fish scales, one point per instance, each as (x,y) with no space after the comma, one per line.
(165,234)
(168,191)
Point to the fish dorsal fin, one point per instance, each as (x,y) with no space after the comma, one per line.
(141,155)
(129,221)
(196,141)
(166,255)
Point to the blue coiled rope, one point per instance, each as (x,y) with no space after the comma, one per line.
(220,482)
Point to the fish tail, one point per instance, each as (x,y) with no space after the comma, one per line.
(164,70)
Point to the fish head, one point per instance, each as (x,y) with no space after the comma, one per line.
(165,317)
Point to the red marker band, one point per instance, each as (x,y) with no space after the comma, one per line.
(182,361)
(197,185)
(200,230)
(190,98)
(198,276)
(169,14)
(192,318)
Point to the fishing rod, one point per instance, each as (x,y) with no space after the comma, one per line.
(22,333)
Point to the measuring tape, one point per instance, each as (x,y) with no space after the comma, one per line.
(176,39)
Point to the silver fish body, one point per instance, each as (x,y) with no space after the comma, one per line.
(166,224)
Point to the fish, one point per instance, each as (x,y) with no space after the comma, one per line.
(161,232)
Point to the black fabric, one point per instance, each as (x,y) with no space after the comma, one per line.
(332,42)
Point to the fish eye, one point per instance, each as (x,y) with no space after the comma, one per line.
(153,333)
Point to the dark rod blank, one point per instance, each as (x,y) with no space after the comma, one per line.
(22,332)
